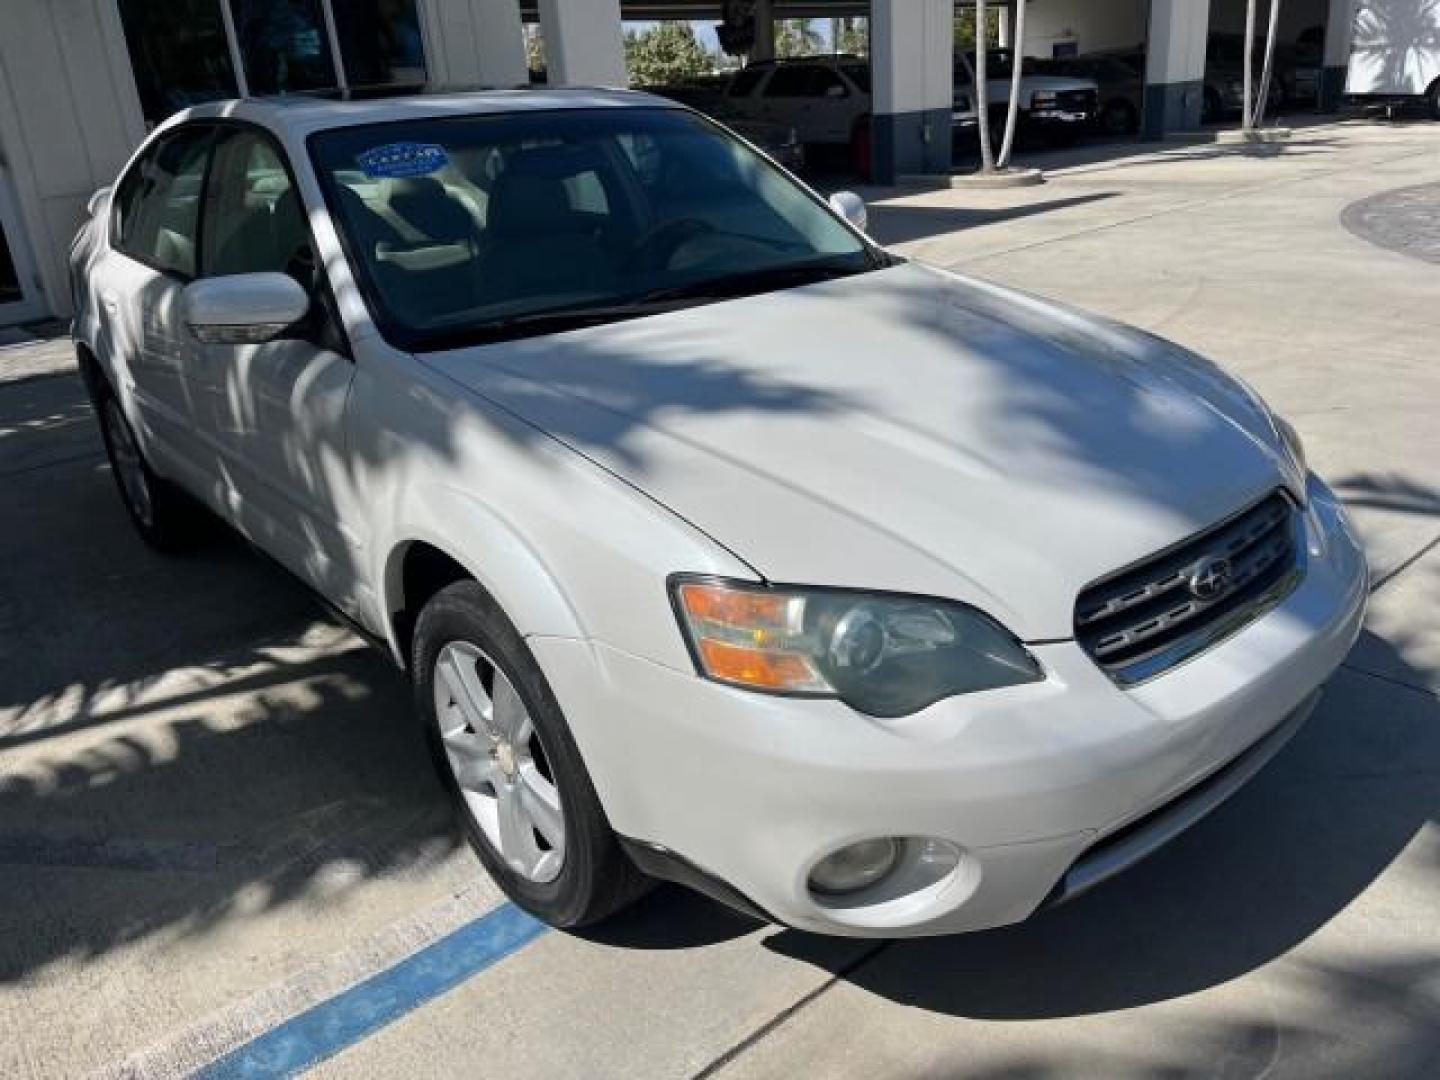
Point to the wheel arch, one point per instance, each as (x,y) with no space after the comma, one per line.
(92,373)
(483,550)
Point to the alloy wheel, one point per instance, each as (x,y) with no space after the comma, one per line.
(498,762)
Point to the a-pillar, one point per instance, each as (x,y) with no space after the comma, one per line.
(913,74)
(584,42)
(1175,66)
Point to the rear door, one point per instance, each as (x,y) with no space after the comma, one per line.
(152,256)
(276,410)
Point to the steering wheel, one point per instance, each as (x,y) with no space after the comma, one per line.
(660,242)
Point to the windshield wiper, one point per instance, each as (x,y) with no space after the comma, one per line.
(756,281)
(549,321)
(653,302)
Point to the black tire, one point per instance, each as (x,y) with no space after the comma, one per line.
(166,518)
(596,879)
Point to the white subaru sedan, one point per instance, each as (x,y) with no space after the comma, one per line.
(719,544)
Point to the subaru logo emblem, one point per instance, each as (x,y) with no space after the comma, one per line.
(1211,577)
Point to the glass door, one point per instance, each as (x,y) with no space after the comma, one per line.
(19,298)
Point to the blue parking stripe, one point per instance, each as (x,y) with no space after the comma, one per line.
(328,1028)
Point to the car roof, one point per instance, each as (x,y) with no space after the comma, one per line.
(299,115)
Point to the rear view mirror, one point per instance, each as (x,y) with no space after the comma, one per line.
(243,309)
(850,207)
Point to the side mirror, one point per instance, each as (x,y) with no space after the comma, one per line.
(850,207)
(243,309)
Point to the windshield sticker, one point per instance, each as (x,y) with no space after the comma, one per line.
(402,159)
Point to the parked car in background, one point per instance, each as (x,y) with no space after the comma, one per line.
(1225,77)
(825,100)
(1060,107)
(1120,83)
(1393,58)
(779,141)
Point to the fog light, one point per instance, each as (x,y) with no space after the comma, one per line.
(854,867)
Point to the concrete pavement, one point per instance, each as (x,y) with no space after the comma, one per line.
(213,815)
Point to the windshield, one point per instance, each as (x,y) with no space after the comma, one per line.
(485,227)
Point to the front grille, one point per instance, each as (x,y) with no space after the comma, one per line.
(1076,100)
(1149,617)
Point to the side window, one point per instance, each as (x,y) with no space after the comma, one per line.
(746,81)
(859,74)
(826,82)
(253,218)
(789,81)
(157,208)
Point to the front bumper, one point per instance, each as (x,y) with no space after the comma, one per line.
(1022,782)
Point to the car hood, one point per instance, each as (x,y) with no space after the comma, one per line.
(906,429)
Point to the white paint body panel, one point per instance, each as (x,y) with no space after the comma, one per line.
(906,429)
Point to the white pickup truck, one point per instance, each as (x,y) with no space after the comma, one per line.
(1056,104)
(1395,54)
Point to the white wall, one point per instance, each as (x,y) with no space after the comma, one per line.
(474,42)
(69,118)
(584,45)
(1092,24)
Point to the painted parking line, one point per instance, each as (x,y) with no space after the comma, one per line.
(331,1026)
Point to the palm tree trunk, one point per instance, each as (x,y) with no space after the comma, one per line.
(1247,109)
(982,95)
(1017,56)
(1263,99)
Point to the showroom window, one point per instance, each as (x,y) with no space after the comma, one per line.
(188,51)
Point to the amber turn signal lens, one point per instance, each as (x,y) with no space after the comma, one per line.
(747,610)
(752,667)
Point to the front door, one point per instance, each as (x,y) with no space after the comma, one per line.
(277,409)
(19,297)
(154,228)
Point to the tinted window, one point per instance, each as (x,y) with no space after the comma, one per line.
(178,52)
(253,218)
(745,82)
(284,45)
(825,81)
(380,42)
(157,206)
(790,81)
(511,215)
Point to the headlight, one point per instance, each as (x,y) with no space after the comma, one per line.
(883,654)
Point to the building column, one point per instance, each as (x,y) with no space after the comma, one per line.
(764,47)
(1175,66)
(500,46)
(584,45)
(1339,27)
(912,68)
